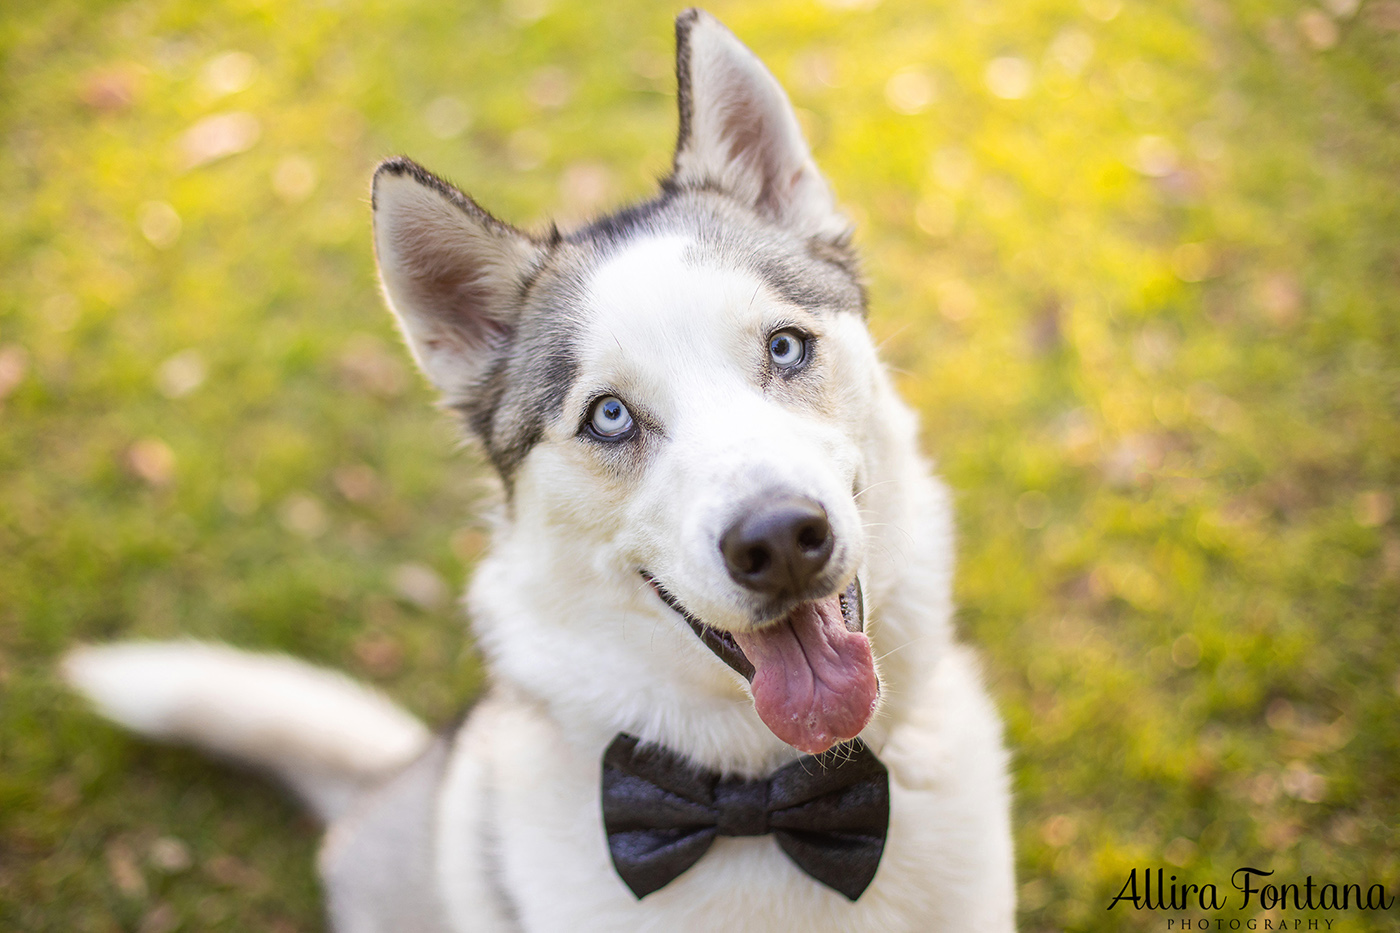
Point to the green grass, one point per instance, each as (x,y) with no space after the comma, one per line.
(1147,309)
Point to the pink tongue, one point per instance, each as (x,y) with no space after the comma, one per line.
(814,681)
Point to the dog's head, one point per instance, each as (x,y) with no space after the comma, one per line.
(681,393)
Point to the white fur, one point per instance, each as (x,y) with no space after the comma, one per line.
(558,605)
(583,650)
(327,736)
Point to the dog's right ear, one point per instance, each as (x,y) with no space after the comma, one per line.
(452,274)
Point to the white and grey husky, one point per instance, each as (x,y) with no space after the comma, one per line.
(719,560)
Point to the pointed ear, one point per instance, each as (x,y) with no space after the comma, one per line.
(452,274)
(738,132)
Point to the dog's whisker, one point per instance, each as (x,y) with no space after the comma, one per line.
(869,486)
(884,341)
(901,647)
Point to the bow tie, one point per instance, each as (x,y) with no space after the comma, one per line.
(661,812)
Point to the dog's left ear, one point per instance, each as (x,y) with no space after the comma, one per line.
(738,132)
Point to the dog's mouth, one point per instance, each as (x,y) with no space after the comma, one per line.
(811,670)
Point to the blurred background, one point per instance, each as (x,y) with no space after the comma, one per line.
(1137,264)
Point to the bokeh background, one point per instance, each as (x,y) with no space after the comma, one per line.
(1137,263)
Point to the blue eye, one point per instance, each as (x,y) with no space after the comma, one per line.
(610,418)
(786,349)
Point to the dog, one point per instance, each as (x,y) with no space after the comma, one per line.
(724,690)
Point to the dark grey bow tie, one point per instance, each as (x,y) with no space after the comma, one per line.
(829,813)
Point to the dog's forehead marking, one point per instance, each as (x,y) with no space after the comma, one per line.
(659,301)
(635,271)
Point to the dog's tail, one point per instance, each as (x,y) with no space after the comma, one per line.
(326,736)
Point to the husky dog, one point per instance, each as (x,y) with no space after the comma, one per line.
(719,559)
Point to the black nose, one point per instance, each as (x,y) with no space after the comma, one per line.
(778,547)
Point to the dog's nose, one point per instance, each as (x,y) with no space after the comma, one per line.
(778,547)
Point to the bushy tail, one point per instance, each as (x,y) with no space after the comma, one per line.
(326,736)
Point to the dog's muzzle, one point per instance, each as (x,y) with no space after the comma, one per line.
(722,643)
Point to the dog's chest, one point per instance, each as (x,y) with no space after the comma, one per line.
(522,836)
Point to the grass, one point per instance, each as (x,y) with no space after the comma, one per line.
(1138,264)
